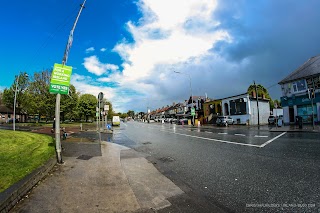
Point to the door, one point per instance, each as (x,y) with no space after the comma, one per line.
(291,114)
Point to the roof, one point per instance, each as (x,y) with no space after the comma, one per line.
(309,68)
(4,109)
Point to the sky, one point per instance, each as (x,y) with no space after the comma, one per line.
(150,53)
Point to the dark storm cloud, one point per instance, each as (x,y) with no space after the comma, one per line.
(276,36)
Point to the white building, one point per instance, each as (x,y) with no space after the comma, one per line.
(297,98)
(243,109)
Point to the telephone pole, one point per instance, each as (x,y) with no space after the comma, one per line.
(57,113)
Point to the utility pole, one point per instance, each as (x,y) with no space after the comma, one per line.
(312,98)
(58,98)
(255,87)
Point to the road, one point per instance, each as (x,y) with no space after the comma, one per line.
(235,168)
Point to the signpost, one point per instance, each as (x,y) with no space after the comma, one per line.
(60,84)
(60,79)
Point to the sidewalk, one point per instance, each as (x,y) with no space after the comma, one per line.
(273,128)
(295,128)
(100,178)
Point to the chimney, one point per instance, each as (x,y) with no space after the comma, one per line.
(253,93)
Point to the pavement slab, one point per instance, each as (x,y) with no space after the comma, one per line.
(151,188)
(102,177)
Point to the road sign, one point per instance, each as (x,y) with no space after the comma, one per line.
(60,79)
(193,111)
(106,107)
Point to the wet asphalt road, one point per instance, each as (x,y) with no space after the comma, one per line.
(235,169)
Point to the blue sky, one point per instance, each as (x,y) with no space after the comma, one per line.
(130,50)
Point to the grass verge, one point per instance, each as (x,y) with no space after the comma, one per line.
(21,153)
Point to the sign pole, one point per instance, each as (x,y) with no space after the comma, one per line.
(58,98)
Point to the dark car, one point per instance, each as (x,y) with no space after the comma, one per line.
(272,119)
(10,121)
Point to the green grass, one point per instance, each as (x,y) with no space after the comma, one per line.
(21,153)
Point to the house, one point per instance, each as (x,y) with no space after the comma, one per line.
(212,109)
(243,109)
(7,113)
(301,92)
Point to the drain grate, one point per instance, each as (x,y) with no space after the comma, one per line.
(166,159)
(145,143)
(84,157)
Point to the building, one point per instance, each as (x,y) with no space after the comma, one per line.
(301,93)
(244,110)
(7,113)
(212,109)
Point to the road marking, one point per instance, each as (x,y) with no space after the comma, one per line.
(269,141)
(239,134)
(208,132)
(222,133)
(212,139)
(260,136)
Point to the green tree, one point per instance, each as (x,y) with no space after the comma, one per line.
(40,101)
(87,106)
(69,103)
(262,91)
(21,86)
(130,113)
(124,115)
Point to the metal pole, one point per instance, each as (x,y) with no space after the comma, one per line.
(255,86)
(14,104)
(58,98)
(191,97)
(312,96)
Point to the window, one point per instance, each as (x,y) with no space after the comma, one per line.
(238,107)
(299,86)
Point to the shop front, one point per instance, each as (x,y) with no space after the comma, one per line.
(301,106)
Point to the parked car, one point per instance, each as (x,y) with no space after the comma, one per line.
(11,120)
(272,119)
(224,120)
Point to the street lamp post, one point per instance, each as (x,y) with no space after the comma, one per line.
(15,101)
(190,91)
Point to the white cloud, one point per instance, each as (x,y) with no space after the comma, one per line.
(166,38)
(93,65)
(103,49)
(90,49)
(164,41)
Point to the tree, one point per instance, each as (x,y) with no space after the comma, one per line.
(124,115)
(87,106)
(130,113)
(40,101)
(261,91)
(21,98)
(69,103)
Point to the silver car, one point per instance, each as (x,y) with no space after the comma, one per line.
(224,121)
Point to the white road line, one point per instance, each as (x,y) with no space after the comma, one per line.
(222,133)
(240,134)
(212,139)
(261,136)
(208,132)
(269,141)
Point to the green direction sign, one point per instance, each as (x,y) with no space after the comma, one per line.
(60,79)
(193,111)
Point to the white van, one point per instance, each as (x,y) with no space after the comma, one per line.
(115,121)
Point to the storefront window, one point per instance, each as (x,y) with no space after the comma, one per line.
(305,111)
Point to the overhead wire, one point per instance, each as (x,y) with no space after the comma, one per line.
(51,36)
